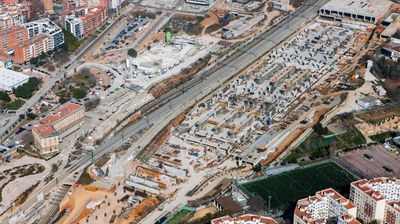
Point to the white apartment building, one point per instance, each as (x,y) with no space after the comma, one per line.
(74,25)
(347,219)
(244,219)
(373,197)
(392,213)
(323,205)
(114,4)
(9,20)
(47,27)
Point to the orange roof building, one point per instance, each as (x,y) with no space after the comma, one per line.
(323,205)
(244,219)
(31,48)
(12,36)
(373,198)
(48,130)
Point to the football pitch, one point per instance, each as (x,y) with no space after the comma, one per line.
(293,185)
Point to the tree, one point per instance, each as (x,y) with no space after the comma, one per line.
(79,93)
(27,138)
(4,97)
(51,67)
(31,116)
(148,47)
(321,130)
(92,103)
(71,43)
(132,53)
(34,61)
(257,168)
(25,91)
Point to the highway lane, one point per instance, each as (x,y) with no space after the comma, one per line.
(212,80)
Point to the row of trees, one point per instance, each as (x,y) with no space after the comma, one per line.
(71,43)
(4,97)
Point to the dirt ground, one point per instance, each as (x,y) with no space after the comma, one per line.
(203,212)
(143,208)
(153,37)
(212,19)
(292,137)
(76,203)
(101,74)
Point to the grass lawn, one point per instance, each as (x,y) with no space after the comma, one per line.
(290,186)
(383,136)
(314,141)
(181,216)
(15,105)
(84,79)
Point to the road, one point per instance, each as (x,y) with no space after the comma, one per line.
(195,90)
(45,89)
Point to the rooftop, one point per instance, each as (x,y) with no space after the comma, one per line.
(247,218)
(348,219)
(33,40)
(369,187)
(372,8)
(46,25)
(394,205)
(227,203)
(11,30)
(45,127)
(9,78)
(304,206)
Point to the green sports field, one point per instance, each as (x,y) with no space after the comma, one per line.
(290,186)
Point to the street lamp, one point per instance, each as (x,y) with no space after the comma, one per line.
(269,203)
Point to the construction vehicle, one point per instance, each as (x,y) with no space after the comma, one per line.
(213,122)
(91,188)
(261,148)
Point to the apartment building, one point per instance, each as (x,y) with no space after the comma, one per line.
(392,213)
(15,14)
(48,6)
(85,21)
(244,219)
(46,27)
(115,4)
(347,219)
(10,19)
(32,48)
(29,40)
(12,36)
(74,25)
(374,198)
(50,129)
(323,205)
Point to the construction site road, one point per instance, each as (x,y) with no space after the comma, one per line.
(209,81)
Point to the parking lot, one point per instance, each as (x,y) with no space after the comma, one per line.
(371,162)
(127,30)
